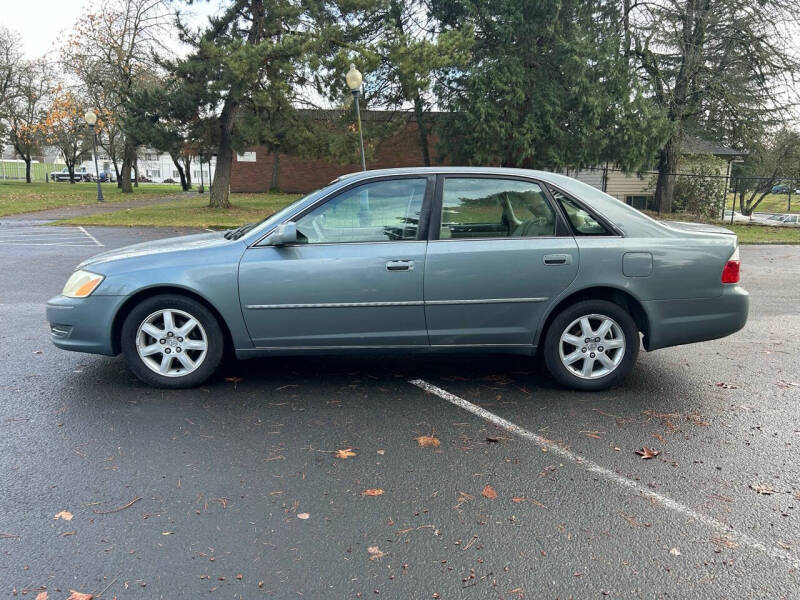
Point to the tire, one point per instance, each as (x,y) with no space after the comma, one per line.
(609,362)
(172,361)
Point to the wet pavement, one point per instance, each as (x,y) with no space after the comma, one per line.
(201,493)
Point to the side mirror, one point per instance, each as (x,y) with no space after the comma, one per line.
(285,233)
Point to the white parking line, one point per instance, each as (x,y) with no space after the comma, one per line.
(673,505)
(47,236)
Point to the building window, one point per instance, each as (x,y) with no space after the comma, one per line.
(641,202)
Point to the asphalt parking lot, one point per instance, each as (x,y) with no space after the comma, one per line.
(236,490)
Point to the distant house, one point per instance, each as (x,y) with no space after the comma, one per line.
(637,189)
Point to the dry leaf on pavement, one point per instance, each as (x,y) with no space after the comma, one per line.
(428,441)
(675,552)
(344,453)
(646,452)
(375,553)
(372,492)
(41,596)
(67,516)
(488,492)
(303,516)
(762,489)
(73,595)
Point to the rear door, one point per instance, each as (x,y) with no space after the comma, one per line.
(498,252)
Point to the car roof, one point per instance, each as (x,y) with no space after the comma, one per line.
(542,175)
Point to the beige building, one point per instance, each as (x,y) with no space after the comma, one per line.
(637,189)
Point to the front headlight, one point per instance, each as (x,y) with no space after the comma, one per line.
(81,283)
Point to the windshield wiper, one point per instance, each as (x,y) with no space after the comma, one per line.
(235,234)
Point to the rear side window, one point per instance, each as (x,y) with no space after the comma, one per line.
(474,208)
(582,222)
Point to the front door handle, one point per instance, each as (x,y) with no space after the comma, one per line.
(557,259)
(400,265)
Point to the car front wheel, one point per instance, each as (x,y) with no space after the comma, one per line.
(591,345)
(172,341)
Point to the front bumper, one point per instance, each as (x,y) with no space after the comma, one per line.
(83,324)
(685,321)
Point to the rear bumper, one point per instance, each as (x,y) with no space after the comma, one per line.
(675,322)
(83,324)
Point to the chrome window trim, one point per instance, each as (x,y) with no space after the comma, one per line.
(398,303)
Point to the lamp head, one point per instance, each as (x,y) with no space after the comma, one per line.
(353,78)
(90,117)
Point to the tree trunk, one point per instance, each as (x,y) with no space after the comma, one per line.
(187,168)
(182,175)
(71,171)
(116,173)
(276,172)
(128,156)
(667,167)
(222,175)
(419,112)
(27,160)
(135,173)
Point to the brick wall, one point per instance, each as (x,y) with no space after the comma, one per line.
(300,175)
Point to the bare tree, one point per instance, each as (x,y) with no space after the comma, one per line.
(10,60)
(709,62)
(110,51)
(28,111)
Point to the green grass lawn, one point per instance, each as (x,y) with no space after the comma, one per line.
(758,234)
(20,197)
(192,211)
(772,203)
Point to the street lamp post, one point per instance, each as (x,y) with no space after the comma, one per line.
(91,121)
(354,79)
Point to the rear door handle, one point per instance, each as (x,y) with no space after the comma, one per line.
(400,265)
(557,259)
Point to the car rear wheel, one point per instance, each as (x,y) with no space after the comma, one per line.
(591,345)
(172,341)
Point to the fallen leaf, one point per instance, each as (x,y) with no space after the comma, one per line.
(167,532)
(428,441)
(234,379)
(68,533)
(303,516)
(261,584)
(239,577)
(597,435)
(492,440)
(762,489)
(381,452)
(67,516)
(73,595)
(675,552)
(372,492)
(375,553)
(646,452)
(41,596)
(488,492)
(345,453)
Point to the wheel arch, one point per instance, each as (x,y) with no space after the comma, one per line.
(620,297)
(136,298)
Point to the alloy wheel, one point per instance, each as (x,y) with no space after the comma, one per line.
(171,342)
(592,346)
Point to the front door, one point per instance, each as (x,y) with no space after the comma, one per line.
(502,253)
(353,279)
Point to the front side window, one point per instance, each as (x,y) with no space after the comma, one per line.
(490,208)
(381,211)
(581,221)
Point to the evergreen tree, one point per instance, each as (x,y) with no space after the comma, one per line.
(547,86)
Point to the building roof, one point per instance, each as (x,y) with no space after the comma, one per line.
(693,144)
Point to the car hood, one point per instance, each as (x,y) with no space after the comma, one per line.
(167,245)
(697,227)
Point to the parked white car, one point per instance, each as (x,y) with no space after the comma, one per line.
(783,221)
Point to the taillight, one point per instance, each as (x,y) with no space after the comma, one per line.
(730,273)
